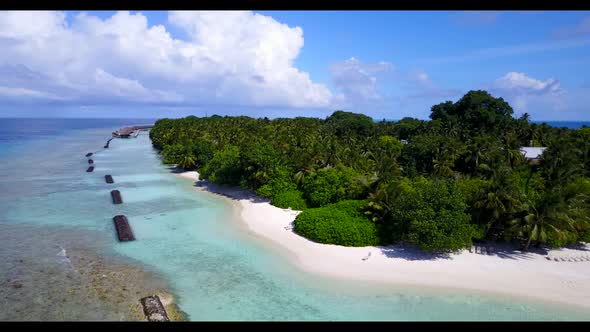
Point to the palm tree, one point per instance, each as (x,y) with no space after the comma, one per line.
(445,157)
(187,161)
(301,174)
(524,130)
(560,162)
(482,151)
(547,217)
(512,150)
(499,201)
(442,167)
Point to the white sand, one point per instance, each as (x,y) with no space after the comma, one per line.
(506,271)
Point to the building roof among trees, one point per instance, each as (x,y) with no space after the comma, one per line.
(531,152)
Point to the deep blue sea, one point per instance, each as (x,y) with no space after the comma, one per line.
(566,124)
(60,259)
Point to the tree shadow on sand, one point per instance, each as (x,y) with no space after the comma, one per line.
(176,170)
(234,193)
(411,253)
(579,246)
(502,250)
(512,251)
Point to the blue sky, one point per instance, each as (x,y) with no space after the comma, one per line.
(387,64)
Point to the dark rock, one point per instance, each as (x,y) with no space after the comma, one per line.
(124,232)
(108,179)
(89,154)
(90,169)
(153,309)
(17,285)
(116,195)
(90,161)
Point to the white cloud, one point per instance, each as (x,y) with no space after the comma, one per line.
(527,94)
(357,81)
(230,58)
(520,83)
(423,87)
(383,91)
(26,93)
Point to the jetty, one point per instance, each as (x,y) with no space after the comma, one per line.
(106,146)
(153,309)
(116,195)
(108,179)
(124,232)
(130,131)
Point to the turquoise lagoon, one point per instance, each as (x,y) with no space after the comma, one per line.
(191,240)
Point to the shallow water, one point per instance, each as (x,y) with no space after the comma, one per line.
(187,241)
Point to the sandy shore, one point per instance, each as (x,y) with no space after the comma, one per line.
(506,271)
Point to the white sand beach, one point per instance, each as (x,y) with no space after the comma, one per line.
(505,271)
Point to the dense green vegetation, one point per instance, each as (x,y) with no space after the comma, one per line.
(340,223)
(437,184)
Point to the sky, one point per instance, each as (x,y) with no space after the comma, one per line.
(386,64)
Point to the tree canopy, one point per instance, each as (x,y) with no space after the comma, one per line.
(437,184)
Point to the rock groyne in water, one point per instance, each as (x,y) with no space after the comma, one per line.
(153,309)
(124,232)
(116,195)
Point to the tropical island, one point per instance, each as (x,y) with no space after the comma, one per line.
(257,165)
(398,202)
(441,185)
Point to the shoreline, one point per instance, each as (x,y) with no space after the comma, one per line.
(507,272)
(72,277)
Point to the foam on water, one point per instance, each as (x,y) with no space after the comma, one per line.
(193,241)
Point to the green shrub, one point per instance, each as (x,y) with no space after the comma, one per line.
(346,123)
(172,154)
(266,191)
(260,164)
(353,208)
(432,216)
(279,183)
(472,188)
(224,167)
(441,231)
(202,150)
(289,199)
(341,224)
(330,185)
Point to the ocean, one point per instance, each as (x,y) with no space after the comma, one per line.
(565,124)
(60,258)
